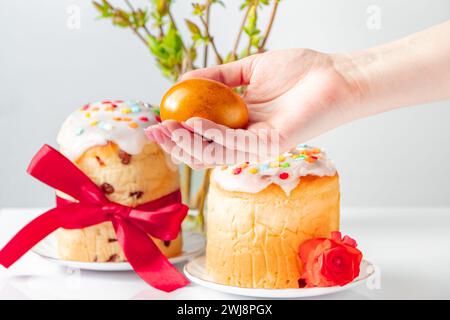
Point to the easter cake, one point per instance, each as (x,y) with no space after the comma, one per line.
(260,214)
(106,141)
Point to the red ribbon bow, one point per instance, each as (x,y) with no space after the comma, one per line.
(160,218)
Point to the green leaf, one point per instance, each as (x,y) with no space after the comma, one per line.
(193,28)
(229,58)
(218,2)
(162,7)
(243,54)
(172,41)
(98,6)
(140,18)
(156,48)
(121,18)
(193,53)
(199,9)
(255,41)
(104,9)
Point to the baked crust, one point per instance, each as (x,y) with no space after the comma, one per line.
(253,239)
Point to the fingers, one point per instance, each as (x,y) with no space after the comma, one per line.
(233,74)
(206,151)
(220,134)
(159,134)
(260,140)
(187,141)
(193,149)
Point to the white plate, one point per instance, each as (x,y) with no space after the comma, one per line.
(195,272)
(193,245)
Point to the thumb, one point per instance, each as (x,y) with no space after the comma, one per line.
(233,74)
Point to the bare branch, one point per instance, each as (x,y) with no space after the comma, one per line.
(172,20)
(136,32)
(211,40)
(238,37)
(133,12)
(269,26)
(205,49)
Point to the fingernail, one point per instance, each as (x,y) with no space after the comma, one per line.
(158,137)
(186,126)
(149,134)
(166,131)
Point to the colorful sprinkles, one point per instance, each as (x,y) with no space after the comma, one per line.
(237,170)
(286,171)
(79,131)
(135,109)
(301,153)
(284,175)
(133,125)
(131,113)
(105,126)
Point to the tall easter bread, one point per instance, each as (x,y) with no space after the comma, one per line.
(260,214)
(106,141)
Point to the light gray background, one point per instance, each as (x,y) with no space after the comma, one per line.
(46,70)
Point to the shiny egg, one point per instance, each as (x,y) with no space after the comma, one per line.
(206,99)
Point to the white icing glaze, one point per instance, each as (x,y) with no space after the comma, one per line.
(97,123)
(286,171)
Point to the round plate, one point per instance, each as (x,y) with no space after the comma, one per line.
(195,272)
(193,245)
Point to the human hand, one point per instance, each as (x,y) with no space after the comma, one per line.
(296,94)
(299,94)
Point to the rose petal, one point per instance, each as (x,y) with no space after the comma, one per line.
(349,241)
(336,236)
(308,246)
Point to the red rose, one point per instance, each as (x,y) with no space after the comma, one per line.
(330,262)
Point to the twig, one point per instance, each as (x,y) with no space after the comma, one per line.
(248,50)
(129,5)
(269,26)
(161,32)
(249,46)
(136,32)
(186,184)
(189,62)
(133,12)
(139,36)
(238,37)
(172,20)
(205,49)
(202,199)
(211,40)
(146,30)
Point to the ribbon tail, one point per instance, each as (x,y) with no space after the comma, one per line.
(30,235)
(146,259)
(72,216)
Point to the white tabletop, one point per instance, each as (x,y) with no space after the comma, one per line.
(409,246)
